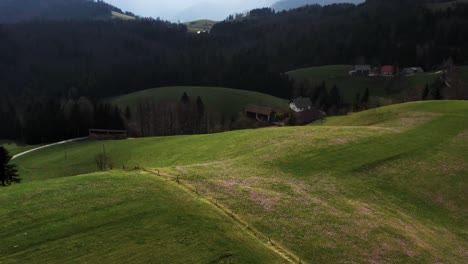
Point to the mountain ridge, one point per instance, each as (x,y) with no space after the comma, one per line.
(13,11)
(291,4)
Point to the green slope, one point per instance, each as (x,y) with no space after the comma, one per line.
(118,15)
(14,148)
(119,218)
(410,86)
(385,185)
(223,100)
(200,25)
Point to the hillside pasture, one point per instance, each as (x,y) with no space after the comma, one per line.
(384,184)
(402,88)
(118,15)
(118,217)
(228,102)
(200,25)
(14,148)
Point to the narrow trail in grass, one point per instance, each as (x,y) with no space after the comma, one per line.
(261,238)
(48,145)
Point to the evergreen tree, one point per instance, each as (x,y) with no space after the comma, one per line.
(185,99)
(365,99)
(8,172)
(436,93)
(425,92)
(335,98)
(128,113)
(200,107)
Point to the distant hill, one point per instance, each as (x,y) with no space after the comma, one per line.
(221,100)
(200,25)
(349,86)
(291,4)
(12,11)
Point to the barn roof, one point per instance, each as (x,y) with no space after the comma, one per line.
(388,68)
(259,110)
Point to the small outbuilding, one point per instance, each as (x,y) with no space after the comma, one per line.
(387,70)
(411,71)
(360,70)
(107,134)
(260,113)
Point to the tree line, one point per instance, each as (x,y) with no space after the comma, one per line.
(45,64)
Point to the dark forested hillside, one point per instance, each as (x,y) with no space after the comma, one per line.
(379,32)
(291,4)
(64,61)
(21,10)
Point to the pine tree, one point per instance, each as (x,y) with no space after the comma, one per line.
(200,107)
(365,98)
(8,172)
(128,113)
(425,92)
(335,98)
(185,99)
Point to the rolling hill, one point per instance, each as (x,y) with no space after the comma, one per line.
(222,100)
(120,217)
(12,11)
(349,86)
(200,25)
(379,185)
(291,4)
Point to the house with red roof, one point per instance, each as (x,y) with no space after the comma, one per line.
(387,70)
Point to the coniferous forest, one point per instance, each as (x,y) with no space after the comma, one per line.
(54,73)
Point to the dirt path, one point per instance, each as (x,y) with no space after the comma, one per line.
(46,146)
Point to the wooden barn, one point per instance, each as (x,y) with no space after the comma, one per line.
(107,134)
(260,113)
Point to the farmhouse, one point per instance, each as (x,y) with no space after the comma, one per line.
(411,71)
(360,70)
(105,134)
(260,113)
(304,112)
(387,70)
(300,104)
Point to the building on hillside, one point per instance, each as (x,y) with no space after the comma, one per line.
(411,71)
(304,112)
(387,71)
(106,134)
(360,70)
(300,104)
(260,113)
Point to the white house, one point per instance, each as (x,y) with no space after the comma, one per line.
(300,104)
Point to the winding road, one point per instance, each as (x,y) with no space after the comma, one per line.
(48,145)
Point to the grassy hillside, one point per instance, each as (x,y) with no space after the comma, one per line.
(121,16)
(119,217)
(13,148)
(350,85)
(200,25)
(385,185)
(222,100)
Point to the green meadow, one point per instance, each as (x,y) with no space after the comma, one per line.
(118,15)
(118,217)
(221,100)
(15,148)
(386,185)
(349,86)
(200,25)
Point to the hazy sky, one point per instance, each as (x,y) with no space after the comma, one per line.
(188,9)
